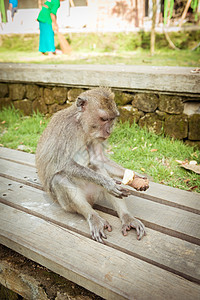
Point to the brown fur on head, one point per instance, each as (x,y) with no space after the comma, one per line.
(97,112)
(101,97)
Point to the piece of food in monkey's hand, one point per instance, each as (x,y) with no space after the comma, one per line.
(128,177)
(139,183)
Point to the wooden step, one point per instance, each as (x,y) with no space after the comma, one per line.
(165,264)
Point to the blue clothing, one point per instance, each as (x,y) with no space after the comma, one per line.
(46,43)
(14,3)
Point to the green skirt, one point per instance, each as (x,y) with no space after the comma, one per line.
(46,43)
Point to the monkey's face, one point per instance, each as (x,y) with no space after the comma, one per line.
(102,124)
(98,112)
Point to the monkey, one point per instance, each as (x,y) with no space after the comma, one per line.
(74,169)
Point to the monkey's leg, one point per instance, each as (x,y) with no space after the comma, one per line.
(127,220)
(74,199)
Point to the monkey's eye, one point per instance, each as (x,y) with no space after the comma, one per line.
(103,119)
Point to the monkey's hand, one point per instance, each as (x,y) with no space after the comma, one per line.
(129,222)
(139,183)
(114,188)
(97,226)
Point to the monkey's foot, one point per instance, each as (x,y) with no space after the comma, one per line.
(129,222)
(140,183)
(97,226)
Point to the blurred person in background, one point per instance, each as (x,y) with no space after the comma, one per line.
(48,25)
(13,7)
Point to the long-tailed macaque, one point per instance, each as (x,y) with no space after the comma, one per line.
(72,165)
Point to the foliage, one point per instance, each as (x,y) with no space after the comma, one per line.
(131,146)
(19,42)
(194,5)
(106,48)
(169,5)
(101,42)
(168,9)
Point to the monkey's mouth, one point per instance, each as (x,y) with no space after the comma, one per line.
(102,138)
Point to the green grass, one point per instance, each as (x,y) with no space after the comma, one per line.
(20,131)
(154,155)
(130,146)
(108,48)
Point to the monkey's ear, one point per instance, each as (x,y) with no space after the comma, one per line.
(81,103)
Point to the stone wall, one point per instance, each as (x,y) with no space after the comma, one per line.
(175,116)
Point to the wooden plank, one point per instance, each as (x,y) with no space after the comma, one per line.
(172,196)
(169,253)
(33,281)
(19,172)
(138,78)
(157,192)
(165,219)
(170,220)
(109,274)
(17,156)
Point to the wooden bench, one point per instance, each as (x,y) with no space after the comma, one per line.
(163,265)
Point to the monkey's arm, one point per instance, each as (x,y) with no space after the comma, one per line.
(99,160)
(138,183)
(75,170)
(113,168)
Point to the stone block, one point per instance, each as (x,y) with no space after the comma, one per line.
(5,102)
(194,127)
(60,94)
(145,102)
(129,113)
(24,105)
(3,90)
(152,122)
(191,108)
(56,107)
(123,98)
(39,105)
(48,96)
(176,126)
(32,91)
(17,91)
(171,104)
(195,144)
(73,94)
(161,115)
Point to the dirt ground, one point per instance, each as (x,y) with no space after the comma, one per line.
(53,285)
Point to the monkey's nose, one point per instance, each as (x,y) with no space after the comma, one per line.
(108,131)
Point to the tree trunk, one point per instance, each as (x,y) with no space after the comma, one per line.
(136,14)
(185,12)
(153,27)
